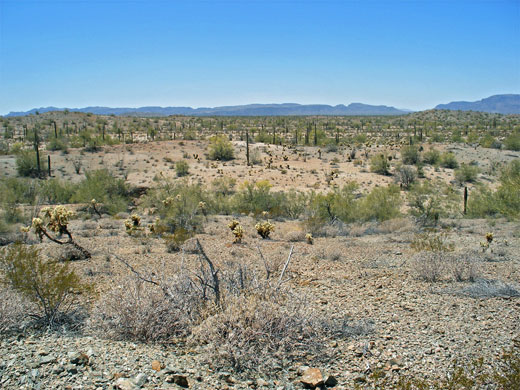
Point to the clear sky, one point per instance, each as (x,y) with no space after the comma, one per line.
(409,54)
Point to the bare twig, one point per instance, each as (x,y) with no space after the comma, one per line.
(266,265)
(285,266)
(214,274)
(138,274)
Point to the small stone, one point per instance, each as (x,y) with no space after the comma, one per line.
(125,384)
(157,365)
(331,381)
(312,378)
(47,359)
(260,382)
(140,379)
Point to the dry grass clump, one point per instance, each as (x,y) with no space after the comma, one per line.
(142,311)
(437,266)
(267,331)
(245,319)
(488,288)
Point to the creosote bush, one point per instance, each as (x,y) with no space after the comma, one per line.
(448,160)
(380,164)
(466,173)
(50,285)
(182,168)
(27,165)
(220,148)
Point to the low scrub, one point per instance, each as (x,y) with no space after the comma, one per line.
(49,285)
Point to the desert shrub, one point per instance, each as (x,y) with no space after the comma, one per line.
(19,190)
(101,185)
(488,141)
(429,202)
(512,142)
(57,144)
(410,155)
(505,201)
(182,168)
(430,266)
(466,173)
(339,203)
(255,333)
(381,204)
(26,164)
(432,157)
(448,160)
(178,205)
(264,137)
(431,241)
(482,203)
(54,191)
(175,240)
(486,288)
(463,267)
(141,311)
(256,197)
(220,148)
(50,285)
(406,175)
(379,164)
(508,193)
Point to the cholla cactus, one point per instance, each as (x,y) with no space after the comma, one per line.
(133,224)
(489,239)
(264,229)
(233,224)
(93,205)
(55,220)
(238,232)
(203,208)
(309,238)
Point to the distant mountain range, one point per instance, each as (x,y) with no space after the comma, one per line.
(501,104)
(245,110)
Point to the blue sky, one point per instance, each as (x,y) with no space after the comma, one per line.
(409,54)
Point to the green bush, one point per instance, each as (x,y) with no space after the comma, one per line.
(57,144)
(55,191)
(105,188)
(379,164)
(49,284)
(448,160)
(381,204)
(425,204)
(466,173)
(410,155)
(178,205)
(26,164)
(220,148)
(432,157)
(513,142)
(505,201)
(182,168)
(406,175)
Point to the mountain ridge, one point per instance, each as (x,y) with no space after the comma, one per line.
(502,104)
(275,109)
(499,104)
